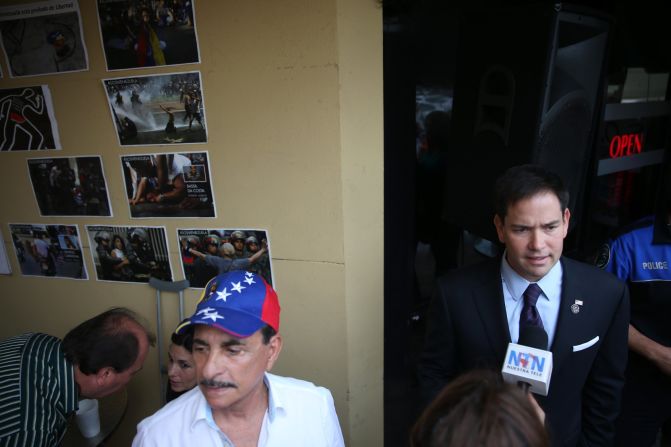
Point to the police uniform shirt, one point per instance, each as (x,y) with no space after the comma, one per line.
(642,257)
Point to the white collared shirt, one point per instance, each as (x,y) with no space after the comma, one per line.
(299,414)
(548,302)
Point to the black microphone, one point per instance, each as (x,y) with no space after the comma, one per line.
(528,363)
(534,337)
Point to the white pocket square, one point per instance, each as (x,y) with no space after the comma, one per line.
(585,345)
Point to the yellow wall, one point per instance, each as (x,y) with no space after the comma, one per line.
(293,97)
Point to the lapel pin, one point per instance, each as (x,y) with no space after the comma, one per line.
(575,307)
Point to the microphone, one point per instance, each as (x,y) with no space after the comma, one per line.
(528,363)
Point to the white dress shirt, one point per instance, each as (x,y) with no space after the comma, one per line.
(548,302)
(299,414)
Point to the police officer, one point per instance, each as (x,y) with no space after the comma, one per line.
(262,266)
(187,258)
(641,255)
(107,262)
(238,240)
(141,255)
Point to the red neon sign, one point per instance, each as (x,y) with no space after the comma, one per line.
(625,145)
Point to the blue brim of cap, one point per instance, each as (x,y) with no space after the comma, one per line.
(238,324)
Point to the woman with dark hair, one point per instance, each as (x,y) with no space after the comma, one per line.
(181,368)
(478,408)
(121,270)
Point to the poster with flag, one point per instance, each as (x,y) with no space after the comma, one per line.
(141,34)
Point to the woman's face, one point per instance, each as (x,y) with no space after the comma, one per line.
(118,243)
(181,370)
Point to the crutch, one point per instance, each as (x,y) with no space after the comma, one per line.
(165,286)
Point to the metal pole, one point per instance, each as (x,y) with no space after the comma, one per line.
(181,306)
(159,345)
(166,286)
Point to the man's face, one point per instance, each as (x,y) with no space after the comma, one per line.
(230,370)
(239,244)
(533,232)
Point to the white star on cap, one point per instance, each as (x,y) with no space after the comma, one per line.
(237,287)
(207,310)
(249,274)
(249,280)
(223,295)
(213,316)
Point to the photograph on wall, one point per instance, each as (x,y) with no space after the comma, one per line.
(168,185)
(129,254)
(27,120)
(207,252)
(140,34)
(49,250)
(5,268)
(70,186)
(43,38)
(157,109)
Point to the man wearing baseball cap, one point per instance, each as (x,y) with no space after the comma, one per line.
(237,401)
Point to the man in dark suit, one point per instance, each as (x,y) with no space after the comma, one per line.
(478,310)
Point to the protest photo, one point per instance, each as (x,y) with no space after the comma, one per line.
(168,185)
(207,252)
(129,254)
(70,186)
(48,250)
(5,268)
(139,34)
(157,109)
(27,119)
(43,38)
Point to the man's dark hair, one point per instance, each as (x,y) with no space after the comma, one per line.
(105,341)
(522,182)
(184,338)
(267,332)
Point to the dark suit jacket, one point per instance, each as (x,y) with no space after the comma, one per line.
(468,329)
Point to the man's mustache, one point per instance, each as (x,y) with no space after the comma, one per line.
(211,383)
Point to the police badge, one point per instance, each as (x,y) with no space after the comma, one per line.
(602,256)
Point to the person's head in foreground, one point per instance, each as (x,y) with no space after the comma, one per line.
(235,340)
(531,219)
(181,367)
(106,351)
(479,409)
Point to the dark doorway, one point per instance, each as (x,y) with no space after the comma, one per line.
(421,39)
